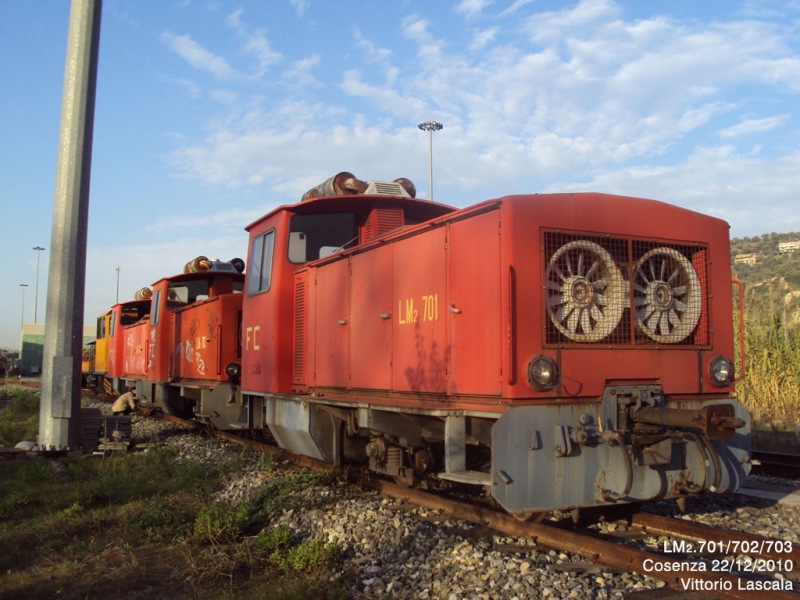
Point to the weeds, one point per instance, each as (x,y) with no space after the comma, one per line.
(770,389)
(19,419)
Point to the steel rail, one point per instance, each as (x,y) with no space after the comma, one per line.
(773,462)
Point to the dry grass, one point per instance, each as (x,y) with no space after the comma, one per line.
(770,389)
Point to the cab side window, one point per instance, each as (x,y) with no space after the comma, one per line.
(259,272)
(320,235)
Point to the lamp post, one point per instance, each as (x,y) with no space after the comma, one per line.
(117,269)
(36,289)
(22,316)
(430,127)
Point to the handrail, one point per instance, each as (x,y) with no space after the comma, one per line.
(738,284)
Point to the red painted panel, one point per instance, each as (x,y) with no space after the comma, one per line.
(371,319)
(331,334)
(204,338)
(475,330)
(419,335)
(135,344)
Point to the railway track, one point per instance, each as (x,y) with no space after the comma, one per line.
(695,558)
(777,464)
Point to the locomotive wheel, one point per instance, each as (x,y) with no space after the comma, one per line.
(585,291)
(666,295)
(534,516)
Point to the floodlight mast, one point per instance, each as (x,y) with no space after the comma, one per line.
(36,292)
(430,127)
(22,316)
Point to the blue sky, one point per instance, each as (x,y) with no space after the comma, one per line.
(210,113)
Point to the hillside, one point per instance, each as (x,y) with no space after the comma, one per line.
(772,283)
(770,265)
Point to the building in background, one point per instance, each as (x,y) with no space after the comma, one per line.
(784,247)
(746,259)
(31,346)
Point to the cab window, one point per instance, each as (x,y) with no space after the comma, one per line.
(154,307)
(186,292)
(320,235)
(260,269)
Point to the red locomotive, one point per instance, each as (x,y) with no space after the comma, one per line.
(563,350)
(184,354)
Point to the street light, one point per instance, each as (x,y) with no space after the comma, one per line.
(117,269)
(430,127)
(22,317)
(36,292)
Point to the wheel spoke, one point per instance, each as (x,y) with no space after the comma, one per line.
(555,301)
(674,277)
(572,321)
(558,272)
(597,314)
(556,287)
(679,291)
(585,323)
(580,263)
(595,266)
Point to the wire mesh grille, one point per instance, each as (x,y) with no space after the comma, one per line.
(623,291)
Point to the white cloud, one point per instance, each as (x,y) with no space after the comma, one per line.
(372,53)
(483,37)
(301,6)
(754,195)
(197,56)
(471,8)
(255,44)
(515,7)
(299,73)
(748,126)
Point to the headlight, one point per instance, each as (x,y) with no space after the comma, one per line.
(542,373)
(721,371)
(233,370)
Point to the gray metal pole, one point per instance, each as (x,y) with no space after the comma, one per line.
(22,314)
(430,127)
(430,164)
(63,339)
(36,293)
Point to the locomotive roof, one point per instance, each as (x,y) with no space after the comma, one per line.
(202,275)
(420,210)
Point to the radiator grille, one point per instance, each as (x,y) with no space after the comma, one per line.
(299,375)
(624,291)
(238,355)
(380,221)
